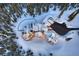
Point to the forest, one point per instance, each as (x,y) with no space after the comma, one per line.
(9,14)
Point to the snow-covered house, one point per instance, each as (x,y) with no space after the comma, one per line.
(31,28)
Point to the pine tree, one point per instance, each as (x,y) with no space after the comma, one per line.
(63,8)
(73,15)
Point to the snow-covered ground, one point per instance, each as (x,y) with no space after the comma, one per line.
(37,45)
